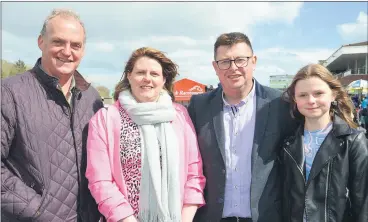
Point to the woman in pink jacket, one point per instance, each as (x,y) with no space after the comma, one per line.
(143,159)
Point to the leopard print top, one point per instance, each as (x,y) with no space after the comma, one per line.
(130,152)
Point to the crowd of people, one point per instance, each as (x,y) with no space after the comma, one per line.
(242,152)
(361,111)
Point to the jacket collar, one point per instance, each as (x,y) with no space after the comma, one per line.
(216,107)
(262,109)
(218,93)
(331,146)
(340,127)
(80,83)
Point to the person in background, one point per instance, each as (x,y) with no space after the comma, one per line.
(355,100)
(364,103)
(44,122)
(325,163)
(364,118)
(143,158)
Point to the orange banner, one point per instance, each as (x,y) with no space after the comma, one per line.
(185,88)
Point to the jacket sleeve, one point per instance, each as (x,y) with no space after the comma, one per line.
(18,201)
(191,110)
(111,201)
(358,181)
(193,189)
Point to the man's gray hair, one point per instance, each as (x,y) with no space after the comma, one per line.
(65,13)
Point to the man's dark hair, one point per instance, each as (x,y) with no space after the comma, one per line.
(230,39)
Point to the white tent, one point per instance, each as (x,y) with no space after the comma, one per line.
(359,86)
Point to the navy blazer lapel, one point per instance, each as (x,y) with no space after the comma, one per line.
(262,111)
(216,107)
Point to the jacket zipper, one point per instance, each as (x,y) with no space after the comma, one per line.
(300,170)
(38,212)
(75,94)
(328,173)
(305,182)
(71,111)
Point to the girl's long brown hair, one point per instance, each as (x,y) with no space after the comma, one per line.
(344,108)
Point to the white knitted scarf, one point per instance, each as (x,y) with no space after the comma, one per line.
(159,197)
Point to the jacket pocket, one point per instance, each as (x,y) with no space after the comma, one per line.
(37,182)
(40,208)
(27,173)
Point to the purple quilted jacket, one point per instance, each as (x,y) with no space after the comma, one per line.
(43,149)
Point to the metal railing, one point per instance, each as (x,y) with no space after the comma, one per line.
(358,71)
(348,72)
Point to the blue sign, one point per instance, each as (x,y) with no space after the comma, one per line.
(356,84)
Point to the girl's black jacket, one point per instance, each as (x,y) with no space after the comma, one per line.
(337,188)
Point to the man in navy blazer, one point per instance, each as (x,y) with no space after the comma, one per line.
(240,128)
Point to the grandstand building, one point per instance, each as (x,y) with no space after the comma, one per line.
(349,62)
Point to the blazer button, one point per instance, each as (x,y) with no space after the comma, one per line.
(287,143)
(220,200)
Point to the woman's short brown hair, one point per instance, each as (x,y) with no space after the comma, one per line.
(169,69)
(344,107)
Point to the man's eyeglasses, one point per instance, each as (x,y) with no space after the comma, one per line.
(239,62)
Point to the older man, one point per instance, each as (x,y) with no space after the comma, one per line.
(44,117)
(240,126)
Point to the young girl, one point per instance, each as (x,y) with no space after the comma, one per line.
(325,164)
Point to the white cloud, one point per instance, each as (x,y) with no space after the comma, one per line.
(309,55)
(192,55)
(230,16)
(122,20)
(103,46)
(15,47)
(355,31)
(168,42)
(362,18)
(185,30)
(281,61)
(159,42)
(274,70)
(173,39)
(262,73)
(195,64)
(108,80)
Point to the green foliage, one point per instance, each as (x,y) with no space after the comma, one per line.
(103,91)
(10,69)
(20,66)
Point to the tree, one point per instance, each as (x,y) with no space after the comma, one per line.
(321,62)
(3,74)
(103,91)
(20,66)
(10,69)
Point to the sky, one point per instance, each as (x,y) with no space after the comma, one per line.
(285,35)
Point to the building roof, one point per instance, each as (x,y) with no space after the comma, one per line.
(186,81)
(350,50)
(184,89)
(357,44)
